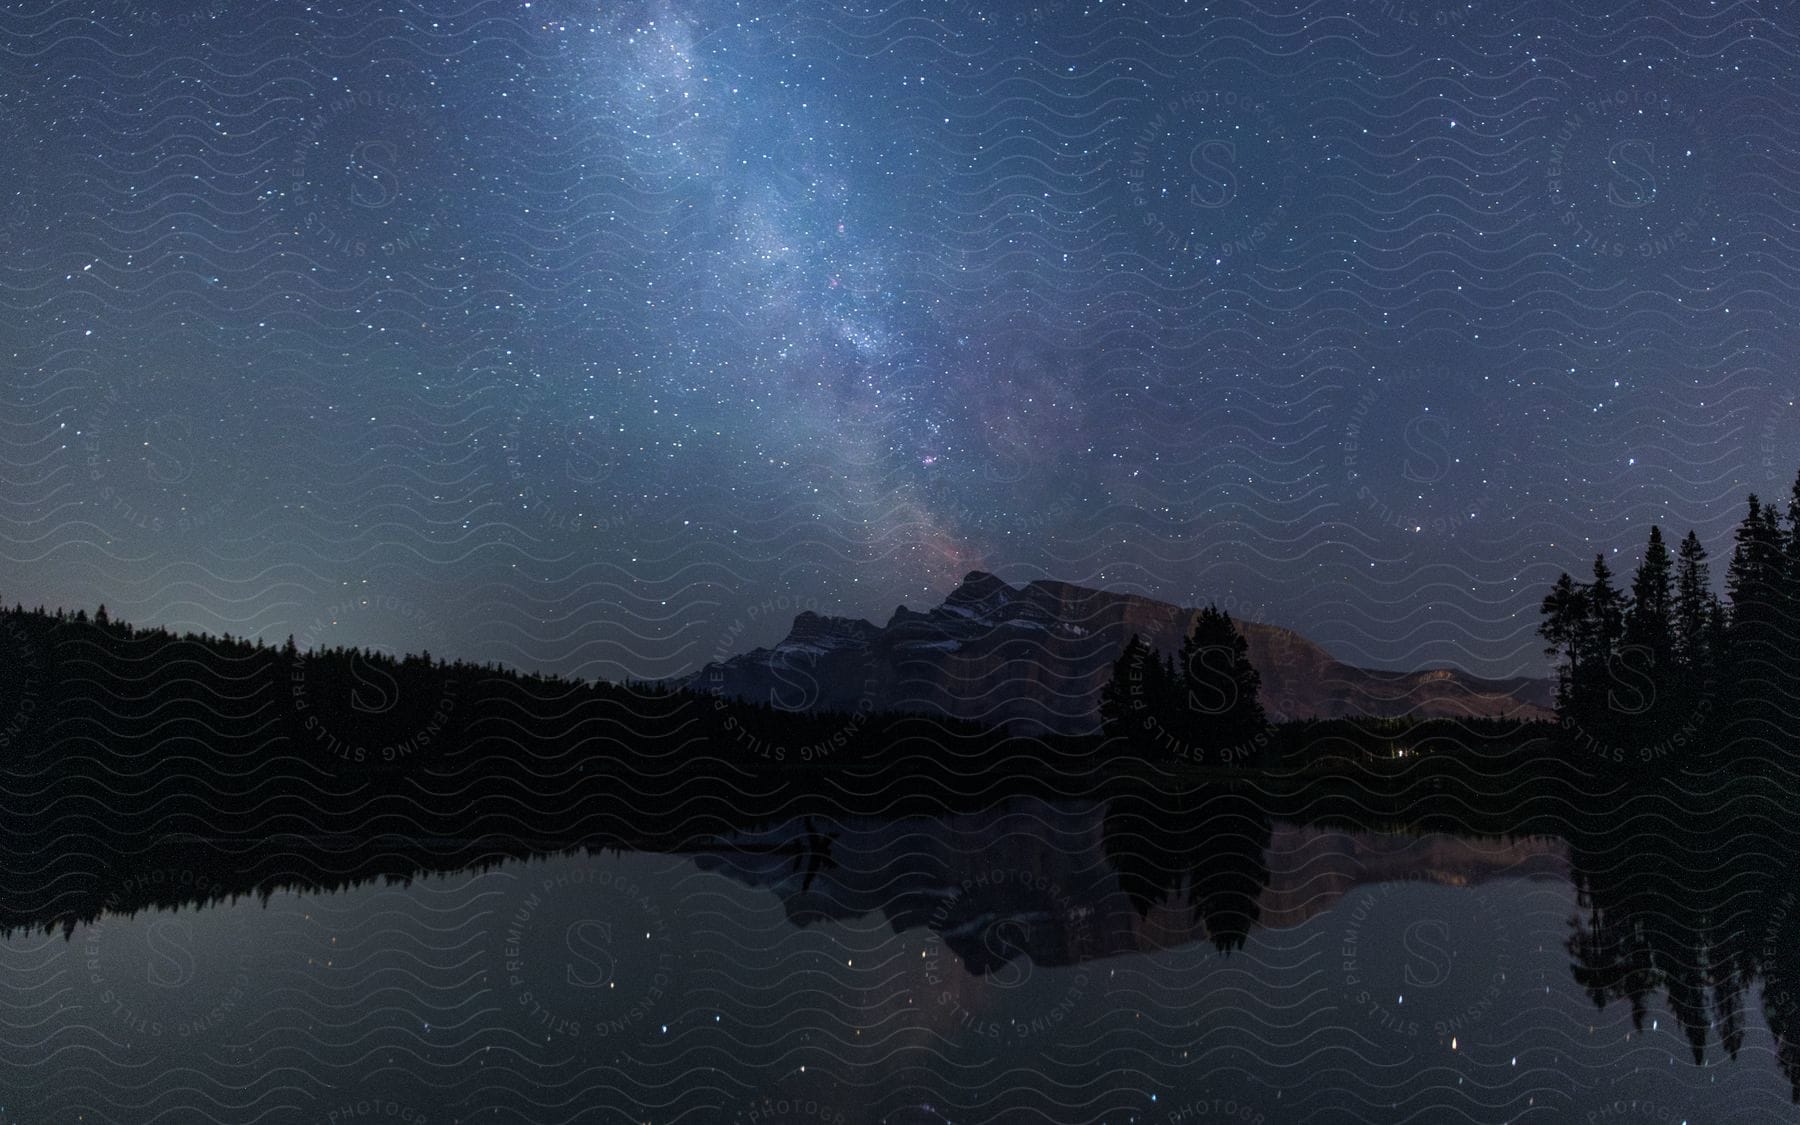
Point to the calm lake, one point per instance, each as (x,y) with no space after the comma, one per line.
(1065,961)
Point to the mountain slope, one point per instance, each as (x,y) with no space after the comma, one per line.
(1037,655)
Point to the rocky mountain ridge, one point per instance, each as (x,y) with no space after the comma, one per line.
(1037,655)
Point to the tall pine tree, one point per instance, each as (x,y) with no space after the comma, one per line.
(1584,625)
(1647,652)
(1603,632)
(1753,582)
(1563,629)
(1649,624)
(1693,606)
(1219,709)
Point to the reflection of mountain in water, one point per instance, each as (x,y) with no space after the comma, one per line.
(1697,907)
(1064,882)
(1057,882)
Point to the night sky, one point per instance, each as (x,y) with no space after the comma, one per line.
(582,336)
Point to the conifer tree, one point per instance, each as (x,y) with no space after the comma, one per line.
(1220,703)
(1606,614)
(1162,691)
(1645,679)
(1563,629)
(1787,581)
(1791,539)
(1693,605)
(1602,632)
(1753,582)
(1648,620)
(1718,632)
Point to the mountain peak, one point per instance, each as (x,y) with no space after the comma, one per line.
(818,632)
(977,588)
(981,579)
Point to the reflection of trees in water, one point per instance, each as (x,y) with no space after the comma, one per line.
(1211,848)
(1696,897)
(1688,884)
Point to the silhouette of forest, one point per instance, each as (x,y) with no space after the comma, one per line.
(105,724)
(1665,676)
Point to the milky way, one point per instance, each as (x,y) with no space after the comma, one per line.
(565,334)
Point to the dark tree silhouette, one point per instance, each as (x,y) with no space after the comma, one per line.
(1693,608)
(1202,705)
(1605,630)
(1753,661)
(1163,690)
(1786,686)
(1753,582)
(1648,619)
(1563,629)
(1219,713)
(1653,699)
(1584,625)
(1638,676)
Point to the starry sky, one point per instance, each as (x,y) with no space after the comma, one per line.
(587,337)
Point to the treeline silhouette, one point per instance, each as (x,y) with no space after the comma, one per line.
(1200,706)
(1694,892)
(102,722)
(126,751)
(1666,675)
(115,733)
(116,740)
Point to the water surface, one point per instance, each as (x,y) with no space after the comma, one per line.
(1037,960)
